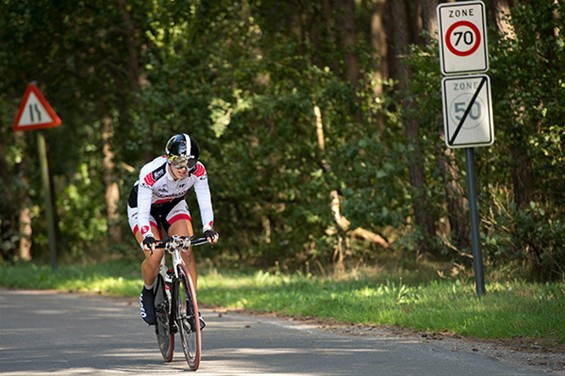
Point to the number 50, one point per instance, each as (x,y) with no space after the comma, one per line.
(461,107)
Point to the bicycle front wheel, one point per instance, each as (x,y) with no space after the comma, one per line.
(188,320)
(163,328)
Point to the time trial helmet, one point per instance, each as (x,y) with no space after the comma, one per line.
(182,151)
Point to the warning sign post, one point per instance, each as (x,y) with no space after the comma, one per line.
(36,113)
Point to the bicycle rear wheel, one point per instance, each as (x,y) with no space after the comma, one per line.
(165,336)
(188,320)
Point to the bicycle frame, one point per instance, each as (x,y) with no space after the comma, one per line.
(176,303)
(173,247)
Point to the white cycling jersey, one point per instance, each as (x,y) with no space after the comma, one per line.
(157,187)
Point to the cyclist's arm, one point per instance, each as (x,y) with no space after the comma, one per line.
(204,198)
(144,197)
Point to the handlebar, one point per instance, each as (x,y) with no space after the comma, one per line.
(180,241)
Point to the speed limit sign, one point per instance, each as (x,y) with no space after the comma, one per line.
(462,33)
(467,111)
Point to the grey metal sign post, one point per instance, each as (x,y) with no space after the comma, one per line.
(474,217)
(466,100)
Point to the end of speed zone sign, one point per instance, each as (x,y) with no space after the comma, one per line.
(467,111)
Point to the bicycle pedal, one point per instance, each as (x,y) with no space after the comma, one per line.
(174,328)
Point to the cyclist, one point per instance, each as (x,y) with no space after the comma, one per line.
(157,201)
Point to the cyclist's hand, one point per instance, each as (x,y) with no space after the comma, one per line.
(149,244)
(212,236)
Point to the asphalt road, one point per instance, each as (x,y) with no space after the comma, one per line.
(50,333)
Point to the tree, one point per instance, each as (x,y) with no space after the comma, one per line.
(422,213)
(319,124)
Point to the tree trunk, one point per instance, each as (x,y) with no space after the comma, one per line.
(379,42)
(429,18)
(456,199)
(521,168)
(329,28)
(380,53)
(25,230)
(342,224)
(349,39)
(422,215)
(370,236)
(112,195)
(454,192)
(20,222)
(133,56)
(499,10)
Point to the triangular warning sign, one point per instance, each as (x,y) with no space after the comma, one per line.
(35,112)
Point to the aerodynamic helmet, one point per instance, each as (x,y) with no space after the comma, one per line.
(182,151)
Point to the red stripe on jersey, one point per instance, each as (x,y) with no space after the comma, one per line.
(200,170)
(178,217)
(148,179)
(158,202)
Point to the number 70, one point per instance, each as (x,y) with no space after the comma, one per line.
(467,36)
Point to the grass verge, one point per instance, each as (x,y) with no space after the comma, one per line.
(508,310)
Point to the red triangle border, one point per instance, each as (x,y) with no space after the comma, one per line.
(56,121)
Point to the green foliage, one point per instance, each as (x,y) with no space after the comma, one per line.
(245,78)
(520,204)
(82,71)
(526,225)
(525,239)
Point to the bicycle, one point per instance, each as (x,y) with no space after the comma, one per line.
(176,306)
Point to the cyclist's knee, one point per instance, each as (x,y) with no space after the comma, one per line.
(155,257)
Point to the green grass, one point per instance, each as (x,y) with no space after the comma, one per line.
(508,310)
(117,278)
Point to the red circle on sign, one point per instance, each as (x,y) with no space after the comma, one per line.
(450,45)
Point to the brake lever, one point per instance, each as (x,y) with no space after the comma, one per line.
(186,243)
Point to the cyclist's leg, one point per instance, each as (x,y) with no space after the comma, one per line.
(150,266)
(152,262)
(149,271)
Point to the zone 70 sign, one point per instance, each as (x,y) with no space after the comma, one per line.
(463,44)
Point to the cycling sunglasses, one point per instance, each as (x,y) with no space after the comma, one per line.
(180,162)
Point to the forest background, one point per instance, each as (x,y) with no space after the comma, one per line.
(319,123)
